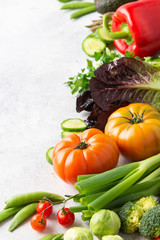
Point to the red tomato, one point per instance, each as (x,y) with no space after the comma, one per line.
(38,222)
(91,152)
(158,238)
(41,206)
(65,217)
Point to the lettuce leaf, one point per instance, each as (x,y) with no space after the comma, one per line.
(118,83)
(126,80)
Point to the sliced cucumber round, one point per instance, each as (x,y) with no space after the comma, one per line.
(49,154)
(92,44)
(102,35)
(66,133)
(73,125)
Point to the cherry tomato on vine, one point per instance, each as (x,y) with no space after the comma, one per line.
(65,217)
(38,222)
(41,206)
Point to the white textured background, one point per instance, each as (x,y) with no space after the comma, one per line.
(40,48)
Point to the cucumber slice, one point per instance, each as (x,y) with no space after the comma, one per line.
(102,35)
(73,125)
(66,133)
(49,155)
(93,44)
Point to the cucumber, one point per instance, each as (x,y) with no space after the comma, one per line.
(66,133)
(49,155)
(102,35)
(92,44)
(73,125)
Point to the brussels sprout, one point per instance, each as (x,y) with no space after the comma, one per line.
(112,237)
(105,222)
(78,233)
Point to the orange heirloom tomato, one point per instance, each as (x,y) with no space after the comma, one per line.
(91,152)
(136,129)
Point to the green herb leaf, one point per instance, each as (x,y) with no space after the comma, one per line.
(80,82)
(129,54)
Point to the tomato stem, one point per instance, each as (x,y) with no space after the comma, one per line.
(135,118)
(82,145)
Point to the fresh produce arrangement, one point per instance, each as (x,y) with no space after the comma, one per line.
(101,6)
(130,79)
(122,94)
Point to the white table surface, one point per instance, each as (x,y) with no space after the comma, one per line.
(40,48)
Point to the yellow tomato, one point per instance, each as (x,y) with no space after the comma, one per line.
(136,129)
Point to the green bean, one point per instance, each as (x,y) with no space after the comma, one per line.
(77,5)
(83,11)
(4,214)
(22,215)
(31,197)
(51,237)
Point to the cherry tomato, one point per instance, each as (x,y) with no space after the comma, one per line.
(38,222)
(65,217)
(41,206)
(158,238)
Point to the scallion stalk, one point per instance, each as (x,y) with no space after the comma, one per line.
(75,209)
(103,179)
(127,183)
(136,192)
(111,194)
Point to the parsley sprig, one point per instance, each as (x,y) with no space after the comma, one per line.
(80,82)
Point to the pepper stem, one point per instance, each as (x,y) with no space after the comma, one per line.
(123,34)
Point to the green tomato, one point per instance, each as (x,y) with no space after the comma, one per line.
(78,233)
(105,222)
(112,237)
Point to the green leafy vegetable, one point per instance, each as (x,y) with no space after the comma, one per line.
(76,233)
(129,54)
(80,82)
(105,222)
(126,80)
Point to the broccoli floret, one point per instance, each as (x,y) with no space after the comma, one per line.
(148,202)
(130,215)
(150,223)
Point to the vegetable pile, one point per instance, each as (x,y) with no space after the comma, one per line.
(132,31)
(23,206)
(113,188)
(122,95)
(131,213)
(88,7)
(117,84)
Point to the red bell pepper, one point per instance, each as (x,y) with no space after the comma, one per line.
(135,27)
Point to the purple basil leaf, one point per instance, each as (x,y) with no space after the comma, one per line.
(84,102)
(125,80)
